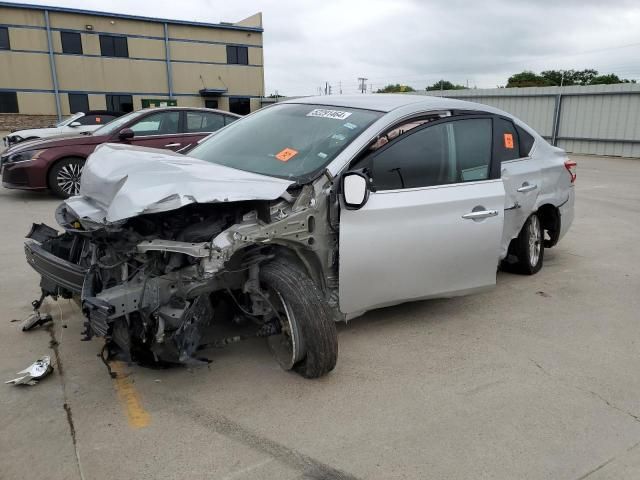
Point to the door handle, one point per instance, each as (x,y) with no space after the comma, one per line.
(480,215)
(171,145)
(527,188)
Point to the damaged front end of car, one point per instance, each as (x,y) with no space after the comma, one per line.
(161,286)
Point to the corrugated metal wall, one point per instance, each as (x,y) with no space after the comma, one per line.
(598,119)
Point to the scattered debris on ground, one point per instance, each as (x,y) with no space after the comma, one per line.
(34,372)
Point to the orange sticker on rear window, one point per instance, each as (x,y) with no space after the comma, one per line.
(508,140)
(286,154)
(98,120)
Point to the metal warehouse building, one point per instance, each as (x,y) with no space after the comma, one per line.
(56,61)
(593,119)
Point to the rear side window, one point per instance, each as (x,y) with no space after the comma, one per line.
(204,122)
(451,152)
(95,119)
(229,119)
(472,156)
(526,141)
(507,145)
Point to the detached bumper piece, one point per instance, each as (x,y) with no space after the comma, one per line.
(34,372)
(59,277)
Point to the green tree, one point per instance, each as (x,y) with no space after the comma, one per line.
(588,76)
(397,88)
(445,85)
(527,79)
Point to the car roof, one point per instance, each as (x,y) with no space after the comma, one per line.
(104,112)
(203,109)
(386,102)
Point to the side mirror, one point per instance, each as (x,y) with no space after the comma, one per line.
(126,134)
(75,124)
(355,191)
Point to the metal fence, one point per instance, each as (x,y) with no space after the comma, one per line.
(598,119)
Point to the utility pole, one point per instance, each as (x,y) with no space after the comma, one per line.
(363,84)
(340,86)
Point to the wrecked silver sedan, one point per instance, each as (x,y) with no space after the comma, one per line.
(302,214)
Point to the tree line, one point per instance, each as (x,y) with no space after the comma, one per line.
(528,78)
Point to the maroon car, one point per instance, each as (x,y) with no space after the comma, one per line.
(56,163)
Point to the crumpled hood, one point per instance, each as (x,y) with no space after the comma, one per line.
(122,181)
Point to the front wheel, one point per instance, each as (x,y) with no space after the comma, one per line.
(64,177)
(307,341)
(529,246)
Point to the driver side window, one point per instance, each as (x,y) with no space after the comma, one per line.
(451,152)
(161,123)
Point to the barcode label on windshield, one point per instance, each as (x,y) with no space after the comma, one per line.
(324,113)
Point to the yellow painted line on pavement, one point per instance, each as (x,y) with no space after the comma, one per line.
(137,416)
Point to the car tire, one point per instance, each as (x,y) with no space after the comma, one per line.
(529,246)
(310,346)
(64,177)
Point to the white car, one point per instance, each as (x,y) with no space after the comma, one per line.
(303,213)
(75,124)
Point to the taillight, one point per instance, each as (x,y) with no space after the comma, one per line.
(571,165)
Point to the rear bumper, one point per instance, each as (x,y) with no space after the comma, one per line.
(567,213)
(54,270)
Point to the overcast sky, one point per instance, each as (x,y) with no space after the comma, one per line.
(307,43)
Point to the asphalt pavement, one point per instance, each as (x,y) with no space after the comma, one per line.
(536,379)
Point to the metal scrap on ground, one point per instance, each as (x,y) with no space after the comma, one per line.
(34,372)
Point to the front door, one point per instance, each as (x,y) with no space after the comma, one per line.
(158,130)
(433,222)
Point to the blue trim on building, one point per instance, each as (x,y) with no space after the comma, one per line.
(219,26)
(93,55)
(212,42)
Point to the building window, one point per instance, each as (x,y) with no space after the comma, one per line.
(8,102)
(71,42)
(113,46)
(78,102)
(4,39)
(120,103)
(237,55)
(211,104)
(239,105)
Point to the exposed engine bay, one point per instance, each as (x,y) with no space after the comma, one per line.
(159,287)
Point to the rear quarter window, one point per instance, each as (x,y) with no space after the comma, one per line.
(506,142)
(526,141)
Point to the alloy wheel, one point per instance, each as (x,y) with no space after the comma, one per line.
(535,240)
(68,178)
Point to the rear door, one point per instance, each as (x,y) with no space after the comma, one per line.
(433,222)
(158,130)
(521,176)
(198,124)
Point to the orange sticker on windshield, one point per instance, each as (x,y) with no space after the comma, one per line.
(508,140)
(286,154)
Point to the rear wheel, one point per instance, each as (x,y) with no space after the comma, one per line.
(529,246)
(307,341)
(64,177)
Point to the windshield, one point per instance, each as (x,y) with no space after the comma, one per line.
(289,141)
(115,125)
(68,120)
